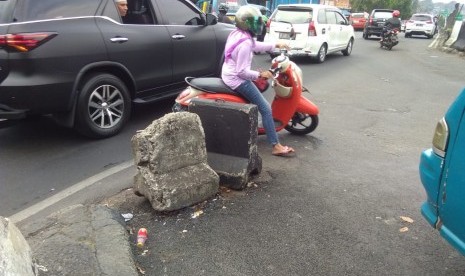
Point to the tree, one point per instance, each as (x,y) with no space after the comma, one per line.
(406,7)
(426,6)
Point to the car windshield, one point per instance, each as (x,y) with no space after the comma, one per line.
(421,18)
(384,14)
(294,16)
(233,8)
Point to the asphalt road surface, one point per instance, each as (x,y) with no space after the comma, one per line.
(335,208)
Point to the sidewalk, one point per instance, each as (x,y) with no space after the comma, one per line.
(95,239)
(80,240)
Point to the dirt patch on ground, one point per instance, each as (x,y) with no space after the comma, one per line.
(144,216)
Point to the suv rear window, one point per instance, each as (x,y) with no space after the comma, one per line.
(28,10)
(6,11)
(294,16)
(421,18)
(383,14)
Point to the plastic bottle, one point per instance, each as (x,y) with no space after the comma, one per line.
(141,237)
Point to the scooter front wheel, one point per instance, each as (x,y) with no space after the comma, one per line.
(302,123)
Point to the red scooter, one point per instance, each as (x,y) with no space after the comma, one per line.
(291,110)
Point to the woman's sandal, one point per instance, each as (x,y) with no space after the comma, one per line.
(288,151)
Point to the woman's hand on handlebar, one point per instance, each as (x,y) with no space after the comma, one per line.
(266,74)
(282,45)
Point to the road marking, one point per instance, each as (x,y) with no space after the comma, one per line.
(34,209)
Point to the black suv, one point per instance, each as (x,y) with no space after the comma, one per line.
(87,66)
(375,23)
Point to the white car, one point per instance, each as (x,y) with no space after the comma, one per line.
(420,24)
(311,30)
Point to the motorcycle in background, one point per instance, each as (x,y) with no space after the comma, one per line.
(390,39)
(291,110)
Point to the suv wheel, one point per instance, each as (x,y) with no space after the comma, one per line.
(103,106)
(320,58)
(348,49)
(365,35)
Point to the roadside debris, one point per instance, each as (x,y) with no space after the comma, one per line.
(403,229)
(141,271)
(127,217)
(141,237)
(197,213)
(406,219)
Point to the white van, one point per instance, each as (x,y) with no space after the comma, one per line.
(311,29)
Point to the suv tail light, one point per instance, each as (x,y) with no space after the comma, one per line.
(25,42)
(371,20)
(311,29)
(268,23)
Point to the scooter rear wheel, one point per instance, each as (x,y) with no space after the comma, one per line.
(302,123)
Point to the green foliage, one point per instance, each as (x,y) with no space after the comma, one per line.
(406,7)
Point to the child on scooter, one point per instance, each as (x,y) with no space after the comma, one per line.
(237,72)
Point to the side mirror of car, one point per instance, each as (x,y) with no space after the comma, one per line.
(211,19)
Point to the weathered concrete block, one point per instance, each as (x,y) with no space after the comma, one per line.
(171,160)
(179,189)
(231,139)
(174,141)
(15,253)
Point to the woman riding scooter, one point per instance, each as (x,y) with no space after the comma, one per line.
(237,72)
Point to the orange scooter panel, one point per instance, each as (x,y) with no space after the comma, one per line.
(222,98)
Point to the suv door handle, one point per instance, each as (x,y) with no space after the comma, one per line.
(118,39)
(178,36)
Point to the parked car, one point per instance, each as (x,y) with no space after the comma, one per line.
(421,24)
(375,22)
(442,173)
(77,60)
(358,20)
(312,30)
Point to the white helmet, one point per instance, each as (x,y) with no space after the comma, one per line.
(249,19)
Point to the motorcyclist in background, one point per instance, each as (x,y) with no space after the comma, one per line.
(392,23)
(223,9)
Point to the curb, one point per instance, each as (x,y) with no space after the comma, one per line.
(81,240)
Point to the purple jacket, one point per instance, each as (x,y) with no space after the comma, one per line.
(238,59)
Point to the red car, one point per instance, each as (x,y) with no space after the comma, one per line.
(358,20)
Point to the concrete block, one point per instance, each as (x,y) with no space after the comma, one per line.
(231,139)
(15,253)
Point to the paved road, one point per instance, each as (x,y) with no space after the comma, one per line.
(351,181)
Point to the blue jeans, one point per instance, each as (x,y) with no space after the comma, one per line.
(249,91)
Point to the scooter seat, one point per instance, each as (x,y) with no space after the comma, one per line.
(210,85)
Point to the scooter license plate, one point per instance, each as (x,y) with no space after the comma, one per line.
(284,35)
